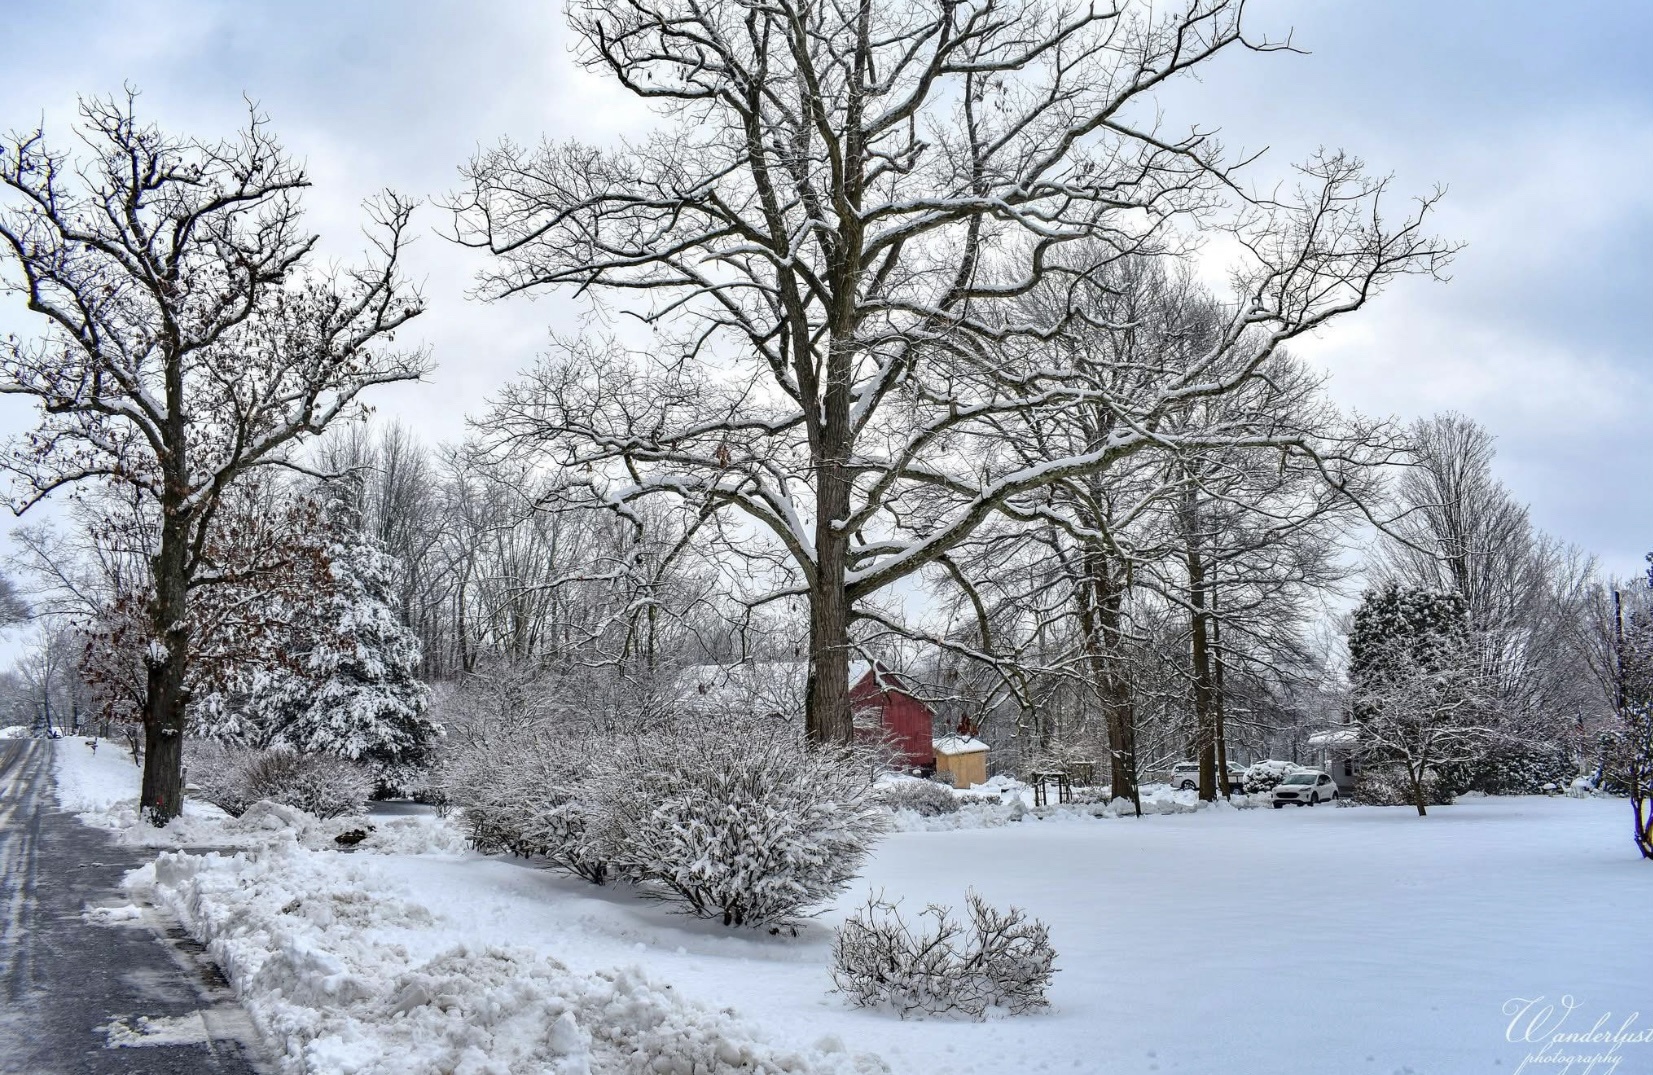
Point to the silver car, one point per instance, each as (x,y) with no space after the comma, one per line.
(1185,776)
(1304,789)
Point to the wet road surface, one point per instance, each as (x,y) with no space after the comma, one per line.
(70,986)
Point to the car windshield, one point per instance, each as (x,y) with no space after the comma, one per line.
(1299,778)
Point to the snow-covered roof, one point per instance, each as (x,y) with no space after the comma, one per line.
(779,686)
(1336,737)
(953,745)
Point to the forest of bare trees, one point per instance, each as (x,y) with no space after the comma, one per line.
(919,364)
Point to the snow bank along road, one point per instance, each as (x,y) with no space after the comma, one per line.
(89,984)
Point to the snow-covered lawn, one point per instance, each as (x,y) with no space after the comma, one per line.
(1328,940)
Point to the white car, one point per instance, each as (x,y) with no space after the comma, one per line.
(1185,776)
(1304,789)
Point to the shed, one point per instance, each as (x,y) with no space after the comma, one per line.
(965,757)
(883,706)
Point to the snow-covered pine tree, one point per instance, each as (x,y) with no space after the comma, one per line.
(352,687)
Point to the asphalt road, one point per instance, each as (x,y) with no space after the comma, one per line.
(69,986)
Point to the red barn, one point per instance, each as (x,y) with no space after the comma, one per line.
(884,707)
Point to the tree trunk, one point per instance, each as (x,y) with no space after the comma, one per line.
(163,764)
(1204,715)
(1642,806)
(827,716)
(1220,713)
(166,696)
(1100,619)
(165,703)
(1420,797)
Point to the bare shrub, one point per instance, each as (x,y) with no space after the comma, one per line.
(234,777)
(733,818)
(522,793)
(925,798)
(1002,961)
(738,819)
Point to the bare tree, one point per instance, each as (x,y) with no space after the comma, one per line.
(825,238)
(1418,692)
(1620,650)
(188,340)
(1526,595)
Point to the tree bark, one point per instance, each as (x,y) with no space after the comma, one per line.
(1643,808)
(166,697)
(1100,619)
(1420,798)
(1220,713)
(827,715)
(1204,715)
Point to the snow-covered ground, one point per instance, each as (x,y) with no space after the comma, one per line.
(1234,941)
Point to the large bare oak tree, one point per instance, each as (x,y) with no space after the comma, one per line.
(826,234)
(187,339)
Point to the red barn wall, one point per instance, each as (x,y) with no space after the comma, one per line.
(907,722)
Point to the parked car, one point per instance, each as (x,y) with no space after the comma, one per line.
(1304,789)
(1185,776)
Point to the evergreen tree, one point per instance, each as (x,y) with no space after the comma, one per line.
(352,688)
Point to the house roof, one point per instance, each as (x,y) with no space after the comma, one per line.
(776,686)
(1335,737)
(953,745)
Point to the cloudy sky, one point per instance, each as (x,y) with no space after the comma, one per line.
(1538,118)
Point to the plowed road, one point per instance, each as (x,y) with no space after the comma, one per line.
(137,997)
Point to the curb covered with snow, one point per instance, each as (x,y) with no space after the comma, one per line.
(345,972)
(325,954)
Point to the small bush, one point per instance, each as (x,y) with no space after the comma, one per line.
(1265,775)
(233,778)
(925,798)
(1002,961)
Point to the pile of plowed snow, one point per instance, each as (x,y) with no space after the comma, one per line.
(344,971)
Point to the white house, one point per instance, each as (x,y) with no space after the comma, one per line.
(1333,752)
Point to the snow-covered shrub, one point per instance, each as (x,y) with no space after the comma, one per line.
(1515,768)
(524,793)
(737,819)
(1001,961)
(925,798)
(518,756)
(1264,775)
(233,778)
